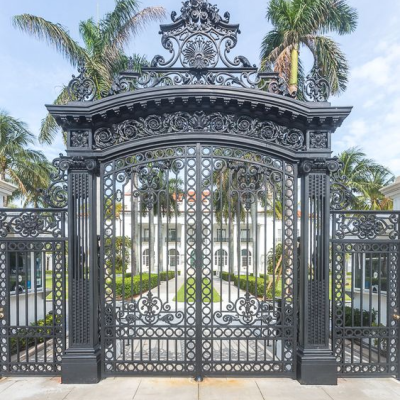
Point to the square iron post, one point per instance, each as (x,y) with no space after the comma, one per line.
(316,364)
(81,362)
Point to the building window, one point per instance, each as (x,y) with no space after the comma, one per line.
(146,234)
(221,234)
(172,234)
(146,258)
(246,258)
(221,258)
(173,257)
(245,235)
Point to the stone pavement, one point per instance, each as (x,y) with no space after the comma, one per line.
(187,389)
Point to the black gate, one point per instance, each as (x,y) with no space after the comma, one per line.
(199,254)
(32,291)
(192,247)
(365,287)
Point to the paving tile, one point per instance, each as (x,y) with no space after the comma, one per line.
(5,384)
(167,389)
(110,389)
(365,389)
(232,389)
(288,389)
(35,389)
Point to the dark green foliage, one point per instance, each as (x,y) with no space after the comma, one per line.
(357,317)
(122,254)
(19,344)
(251,284)
(270,258)
(164,276)
(125,288)
(227,276)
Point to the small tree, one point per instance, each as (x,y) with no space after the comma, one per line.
(270,258)
(122,256)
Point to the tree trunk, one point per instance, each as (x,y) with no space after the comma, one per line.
(231,247)
(152,241)
(294,69)
(135,260)
(160,244)
(254,234)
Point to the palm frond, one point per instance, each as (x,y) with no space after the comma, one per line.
(49,127)
(135,24)
(54,34)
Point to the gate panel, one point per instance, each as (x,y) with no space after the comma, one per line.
(149,319)
(248,236)
(198,257)
(33,292)
(365,253)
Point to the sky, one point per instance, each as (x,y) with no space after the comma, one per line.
(32,73)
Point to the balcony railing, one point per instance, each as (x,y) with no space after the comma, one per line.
(172,239)
(221,239)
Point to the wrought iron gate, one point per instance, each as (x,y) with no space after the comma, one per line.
(32,301)
(365,287)
(199,270)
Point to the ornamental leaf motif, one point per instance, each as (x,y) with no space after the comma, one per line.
(183,122)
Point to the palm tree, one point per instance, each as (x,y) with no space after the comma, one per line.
(366,178)
(28,169)
(103,49)
(303,23)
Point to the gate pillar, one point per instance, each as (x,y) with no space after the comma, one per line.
(81,362)
(316,364)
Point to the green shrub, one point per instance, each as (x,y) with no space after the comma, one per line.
(227,276)
(164,276)
(46,325)
(250,283)
(127,287)
(357,317)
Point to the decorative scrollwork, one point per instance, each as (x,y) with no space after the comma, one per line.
(79,138)
(56,195)
(316,88)
(319,140)
(183,122)
(31,223)
(151,180)
(341,194)
(367,226)
(82,87)
(247,310)
(148,310)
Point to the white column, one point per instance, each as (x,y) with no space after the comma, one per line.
(393,192)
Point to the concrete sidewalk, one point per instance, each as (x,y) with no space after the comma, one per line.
(187,389)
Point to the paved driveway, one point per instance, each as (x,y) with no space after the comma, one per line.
(186,389)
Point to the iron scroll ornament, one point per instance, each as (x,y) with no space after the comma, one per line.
(183,122)
(56,195)
(82,87)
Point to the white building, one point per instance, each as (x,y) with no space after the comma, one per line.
(172,245)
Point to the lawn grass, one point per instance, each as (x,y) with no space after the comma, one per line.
(190,291)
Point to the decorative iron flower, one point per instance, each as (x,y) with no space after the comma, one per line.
(199,53)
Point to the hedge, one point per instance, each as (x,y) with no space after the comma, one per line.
(163,275)
(136,285)
(243,282)
(357,317)
(45,332)
(225,276)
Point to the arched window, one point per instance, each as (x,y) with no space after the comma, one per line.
(173,257)
(221,258)
(246,258)
(146,258)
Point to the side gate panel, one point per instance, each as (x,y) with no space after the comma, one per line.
(32,291)
(365,273)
